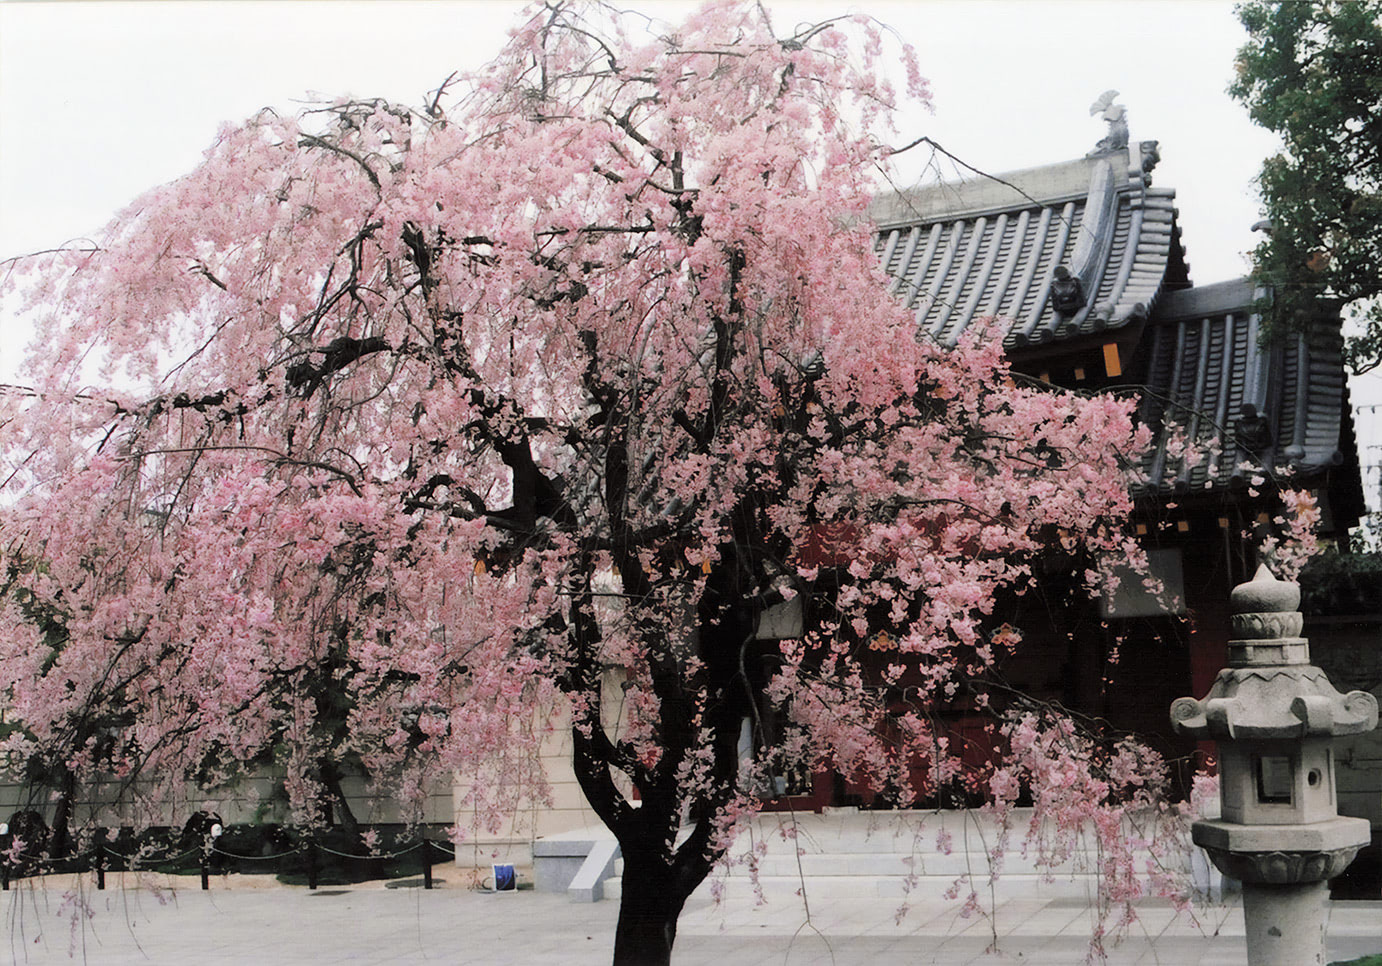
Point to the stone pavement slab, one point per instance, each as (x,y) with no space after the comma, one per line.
(374,925)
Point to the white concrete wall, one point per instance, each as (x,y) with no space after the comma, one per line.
(567,810)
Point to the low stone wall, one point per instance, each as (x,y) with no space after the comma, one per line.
(914,855)
(250,801)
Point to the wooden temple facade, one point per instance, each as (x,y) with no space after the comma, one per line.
(1082,268)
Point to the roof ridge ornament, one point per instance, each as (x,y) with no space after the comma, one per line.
(1067,293)
(1117,117)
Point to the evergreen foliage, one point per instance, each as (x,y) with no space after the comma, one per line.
(1312,73)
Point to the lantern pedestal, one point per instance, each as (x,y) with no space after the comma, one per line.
(1285,923)
(1285,871)
(1282,853)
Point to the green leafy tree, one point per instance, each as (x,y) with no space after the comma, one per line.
(1311,72)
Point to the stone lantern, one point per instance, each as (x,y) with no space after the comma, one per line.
(1274,716)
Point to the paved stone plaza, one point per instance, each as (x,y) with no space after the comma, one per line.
(253,920)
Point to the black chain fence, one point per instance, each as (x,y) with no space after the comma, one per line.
(205,846)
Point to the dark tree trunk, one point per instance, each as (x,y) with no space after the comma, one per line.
(649,905)
(700,710)
(656,880)
(335,798)
(60,842)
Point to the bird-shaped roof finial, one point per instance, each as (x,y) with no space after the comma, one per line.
(1117,117)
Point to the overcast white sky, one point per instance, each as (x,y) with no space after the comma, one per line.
(100,100)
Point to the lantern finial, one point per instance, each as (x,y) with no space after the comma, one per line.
(1266,622)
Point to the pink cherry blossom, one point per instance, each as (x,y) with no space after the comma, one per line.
(383,437)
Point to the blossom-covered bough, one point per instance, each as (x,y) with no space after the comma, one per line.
(383,428)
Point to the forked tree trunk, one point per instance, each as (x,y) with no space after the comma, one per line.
(657,877)
(649,904)
(335,798)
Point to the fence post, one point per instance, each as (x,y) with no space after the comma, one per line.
(311,863)
(100,866)
(426,863)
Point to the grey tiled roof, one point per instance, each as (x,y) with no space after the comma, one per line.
(1201,362)
(989,247)
(960,252)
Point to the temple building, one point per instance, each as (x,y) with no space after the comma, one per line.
(1082,266)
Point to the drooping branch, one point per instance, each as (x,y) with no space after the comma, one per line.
(279,457)
(595,753)
(306,377)
(312,140)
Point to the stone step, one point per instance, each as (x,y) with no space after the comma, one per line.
(891,865)
(1081,886)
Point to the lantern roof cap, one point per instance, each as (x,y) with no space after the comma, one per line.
(1265,594)
(1274,703)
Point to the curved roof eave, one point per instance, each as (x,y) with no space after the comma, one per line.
(1204,363)
(961,253)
